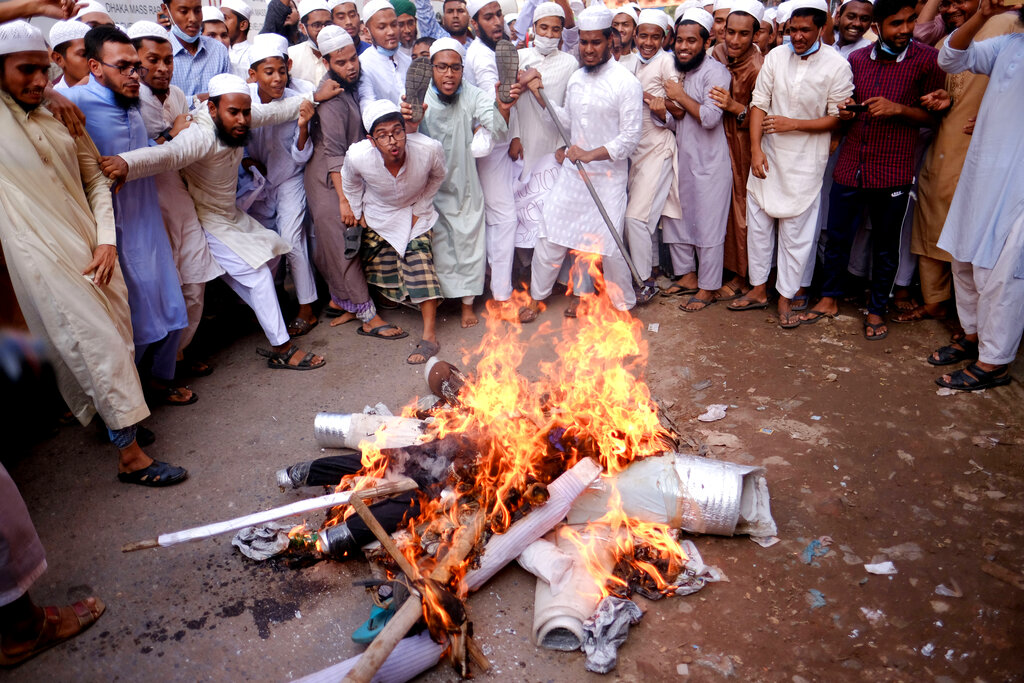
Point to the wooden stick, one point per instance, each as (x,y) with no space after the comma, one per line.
(412,609)
(297,508)
(385,539)
(477,654)
(1003,574)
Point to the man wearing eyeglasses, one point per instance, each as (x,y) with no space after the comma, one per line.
(110,101)
(307,62)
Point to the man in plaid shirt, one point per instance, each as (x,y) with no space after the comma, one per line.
(875,168)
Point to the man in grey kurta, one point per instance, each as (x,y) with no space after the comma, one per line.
(697,240)
(454,108)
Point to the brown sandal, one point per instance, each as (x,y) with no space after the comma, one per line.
(81,616)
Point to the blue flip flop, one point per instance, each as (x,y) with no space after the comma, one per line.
(371,628)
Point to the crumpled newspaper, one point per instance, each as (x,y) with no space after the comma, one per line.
(695,573)
(263,541)
(606,630)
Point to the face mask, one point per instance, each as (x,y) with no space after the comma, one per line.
(387,53)
(545,45)
(786,40)
(814,48)
(888,50)
(178,33)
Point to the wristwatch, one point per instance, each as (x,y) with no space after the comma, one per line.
(741,117)
(166,134)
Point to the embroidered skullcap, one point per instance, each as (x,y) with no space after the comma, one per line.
(751,7)
(819,5)
(274,40)
(442,44)
(21,36)
(474,6)
(212,14)
(404,7)
(332,38)
(723,4)
(238,7)
(227,84)
(264,50)
(655,17)
(147,29)
(375,111)
(784,11)
(374,6)
(770,14)
(629,12)
(307,6)
(595,18)
(92,7)
(548,9)
(331,4)
(66,31)
(700,16)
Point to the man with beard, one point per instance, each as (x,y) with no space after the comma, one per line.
(793,111)
(62,256)
(197,58)
(741,56)
(345,13)
(110,102)
(306,61)
(236,17)
(208,153)
(944,162)
(406,13)
(497,171)
(877,162)
(164,110)
(390,180)
(336,127)
(984,231)
(853,19)
(454,109)
(653,188)
(697,240)
(454,20)
(613,101)
(67,38)
(383,67)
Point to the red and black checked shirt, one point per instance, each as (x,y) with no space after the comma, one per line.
(879,152)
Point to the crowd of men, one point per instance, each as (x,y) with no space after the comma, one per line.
(401,157)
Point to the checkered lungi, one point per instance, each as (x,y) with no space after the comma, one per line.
(412,276)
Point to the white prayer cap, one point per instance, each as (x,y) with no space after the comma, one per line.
(751,7)
(595,18)
(265,50)
(635,6)
(819,5)
(374,6)
(770,14)
(211,13)
(783,11)
(685,6)
(66,31)
(307,6)
(332,38)
(575,5)
(474,6)
(442,44)
(548,9)
(699,16)
(331,4)
(273,40)
(723,4)
(92,7)
(147,29)
(377,110)
(847,2)
(227,84)
(509,18)
(628,11)
(655,17)
(238,7)
(21,36)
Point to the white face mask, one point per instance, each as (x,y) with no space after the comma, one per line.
(546,45)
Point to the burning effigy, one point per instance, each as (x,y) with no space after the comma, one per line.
(573,473)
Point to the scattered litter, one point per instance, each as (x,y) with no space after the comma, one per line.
(814,549)
(767,430)
(947,592)
(831,377)
(654,327)
(904,551)
(702,385)
(695,573)
(262,542)
(721,664)
(606,630)
(762,408)
(816,417)
(945,391)
(683,669)
(816,599)
(721,439)
(928,650)
(985,441)
(882,568)
(905,457)
(765,541)
(940,607)
(714,413)
(874,616)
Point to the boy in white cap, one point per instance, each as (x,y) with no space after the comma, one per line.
(197,58)
(625,22)
(67,38)
(237,16)
(390,180)
(454,108)
(720,13)
(609,133)
(307,62)
(384,67)
(346,14)
(214,26)
(794,109)
(208,153)
(62,256)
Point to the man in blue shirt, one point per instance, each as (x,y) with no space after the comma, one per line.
(110,103)
(197,58)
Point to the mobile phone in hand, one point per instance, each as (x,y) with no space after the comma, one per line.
(856,108)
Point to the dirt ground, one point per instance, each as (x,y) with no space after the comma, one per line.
(858,445)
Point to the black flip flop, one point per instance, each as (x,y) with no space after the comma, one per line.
(803,305)
(962,380)
(815,317)
(679,290)
(874,328)
(157,474)
(376,332)
(417,80)
(789,324)
(695,300)
(753,305)
(425,349)
(507,58)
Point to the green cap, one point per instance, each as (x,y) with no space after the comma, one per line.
(404,7)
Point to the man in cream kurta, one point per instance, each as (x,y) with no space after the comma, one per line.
(794,107)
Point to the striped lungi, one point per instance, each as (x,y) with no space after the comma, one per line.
(412,276)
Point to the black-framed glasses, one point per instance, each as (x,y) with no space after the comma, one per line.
(445,68)
(396,135)
(128,69)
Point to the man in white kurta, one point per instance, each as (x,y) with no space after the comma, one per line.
(307,62)
(602,112)
(237,16)
(237,241)
(383,66)
(59,242)
(794,108)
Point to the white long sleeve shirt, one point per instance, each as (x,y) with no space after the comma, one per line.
(383,77)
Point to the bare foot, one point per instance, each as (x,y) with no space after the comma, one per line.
(345,317)
(469,318)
